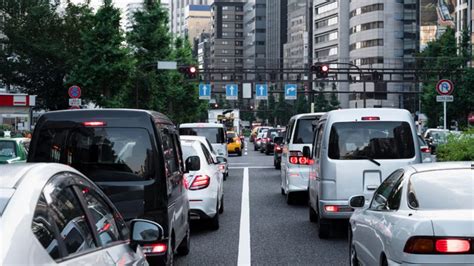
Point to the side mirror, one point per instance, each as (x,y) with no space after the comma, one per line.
(221,159)
(357,202)
(193,163)
(306,152)
(145,232)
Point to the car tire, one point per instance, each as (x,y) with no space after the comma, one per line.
(267,152)
(290,198)
(170,252)
(215,221)
(254,148)
(185,245)
(221,209)
(282,191)
(278,165)
(239,153)
(313,216)
(353,260)
(224,176)
(324,228)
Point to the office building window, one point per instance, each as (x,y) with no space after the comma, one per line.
(326,8)
(326,22)
(366,9)
(367,26)
(365,44)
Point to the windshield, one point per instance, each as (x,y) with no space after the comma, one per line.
(7,149)
(213,134)
(376,140)
(303,132)
(454,189)
(92,150)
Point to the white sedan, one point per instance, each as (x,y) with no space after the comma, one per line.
(204,182)
(421,214)
(50,214)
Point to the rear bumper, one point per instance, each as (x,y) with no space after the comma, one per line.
(344,213)
(202,208)
(234,148)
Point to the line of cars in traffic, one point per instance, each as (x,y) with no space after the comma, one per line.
(111,186)
(364,165)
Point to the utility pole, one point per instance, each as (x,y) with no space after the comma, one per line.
(309,19)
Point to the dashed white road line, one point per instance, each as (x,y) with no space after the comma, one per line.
(244,236)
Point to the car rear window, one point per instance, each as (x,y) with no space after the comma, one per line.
(453,189)
(376,140)
(303,132)
(213,134)
(231,135)
(98,152)
(7,149)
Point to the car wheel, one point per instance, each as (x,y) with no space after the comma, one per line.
(239,153)
(282,191)
(313,216)
(254,148)
(324,228)
(290,198)
(278,165)
(221,209)
(384,261)
(215,220)
(170,252)
(267,152)
(224,176)
(353,260)
(184,247)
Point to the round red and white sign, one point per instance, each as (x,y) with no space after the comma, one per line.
(445,87)
(74,92)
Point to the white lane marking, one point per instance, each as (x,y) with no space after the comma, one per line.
(246,153)
(244,237)
(251,167)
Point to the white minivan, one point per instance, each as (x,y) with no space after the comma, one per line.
(354,150)
(294,166)
(214,132)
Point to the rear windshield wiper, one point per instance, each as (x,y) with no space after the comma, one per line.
(366,157)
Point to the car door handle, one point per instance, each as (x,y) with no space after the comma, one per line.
(371,187)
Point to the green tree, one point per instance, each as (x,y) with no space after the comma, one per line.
(283,111)
(42,46)
(104,68)
(302,104)
(262,110)
(321,104)
(333,100)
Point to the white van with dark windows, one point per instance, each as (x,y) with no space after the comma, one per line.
(354,150)
(214,132)
(295,167)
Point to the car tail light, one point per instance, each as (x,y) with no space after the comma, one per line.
(331,208)
(296,157)
(278,148)
(200,182)
(158,248)
(222,167)
(452,245)
(185,183)
(434,245)
(370,118)
(426,150)
(94,124)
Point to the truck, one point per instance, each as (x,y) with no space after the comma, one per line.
(229,117)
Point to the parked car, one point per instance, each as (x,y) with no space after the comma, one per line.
(425,150)
(220,160)
(234,145)
(421,214)
(295,168)
(13,150)
(205,183)
(215,133)
(51,214)
(133,155)
(277,150)
(354,151)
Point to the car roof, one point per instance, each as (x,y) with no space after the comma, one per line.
(80,115)
(11,175)
(438,166)
(207,125)
(298,116)
(385,114)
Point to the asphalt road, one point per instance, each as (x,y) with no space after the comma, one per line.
(280,234)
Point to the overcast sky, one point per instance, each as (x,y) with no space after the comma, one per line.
(118,3)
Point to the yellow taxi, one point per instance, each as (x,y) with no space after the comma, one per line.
(234,145)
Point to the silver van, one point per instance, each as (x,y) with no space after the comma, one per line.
(295,167)
(214,132)
(354,150)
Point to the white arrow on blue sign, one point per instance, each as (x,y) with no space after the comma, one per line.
(232,92)
(204,91)
(290,91)
(262,91)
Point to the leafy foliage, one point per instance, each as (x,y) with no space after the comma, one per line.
(457,148)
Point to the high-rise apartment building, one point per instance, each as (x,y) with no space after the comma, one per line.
(331,39)
(178,24)
(255,35)
(276,32)
(296,47)
(197,19)
(203,49)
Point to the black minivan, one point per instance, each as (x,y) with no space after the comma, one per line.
(134,156)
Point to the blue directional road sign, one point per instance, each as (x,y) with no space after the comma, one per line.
(231,92)
(290,91)
(262,91)
(204,91)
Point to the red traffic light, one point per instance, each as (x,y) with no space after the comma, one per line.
(192,69)
(189,71)
(325,68)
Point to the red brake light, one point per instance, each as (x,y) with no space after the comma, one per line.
(303,160)
(452,245)
(185,183)
(200,182)
(94,124)
(155,248)
(331,208)
(370,118)
(294,160)
(426,150)
(222,167)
